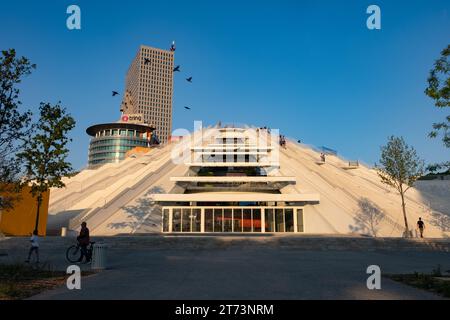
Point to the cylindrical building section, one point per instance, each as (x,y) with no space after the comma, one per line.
(111,141)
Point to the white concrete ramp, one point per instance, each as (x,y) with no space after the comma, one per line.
(93,189)
(343,190)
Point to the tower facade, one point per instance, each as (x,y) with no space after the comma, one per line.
(149,89)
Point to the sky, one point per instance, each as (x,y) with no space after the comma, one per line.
(309,68)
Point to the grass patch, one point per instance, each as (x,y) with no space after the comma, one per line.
(434,282)
(20,281)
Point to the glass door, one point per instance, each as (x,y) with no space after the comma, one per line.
(227,220)
(237,220)
(218,220)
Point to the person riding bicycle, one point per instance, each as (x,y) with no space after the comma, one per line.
(83,240)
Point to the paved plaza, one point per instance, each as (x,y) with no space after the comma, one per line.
(157,267)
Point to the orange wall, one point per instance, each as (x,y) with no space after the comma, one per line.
(20,220)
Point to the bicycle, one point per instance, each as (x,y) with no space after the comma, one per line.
(73,253)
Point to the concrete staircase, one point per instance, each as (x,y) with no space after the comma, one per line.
(98,215)
(99,180)
(222,242)
(101,186)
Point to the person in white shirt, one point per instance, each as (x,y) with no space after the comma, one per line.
(34,246)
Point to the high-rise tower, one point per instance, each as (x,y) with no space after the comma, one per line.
(149,89)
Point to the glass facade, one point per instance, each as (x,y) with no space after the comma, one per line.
(111,145)
(233,219)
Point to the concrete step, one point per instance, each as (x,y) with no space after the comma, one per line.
(159,241)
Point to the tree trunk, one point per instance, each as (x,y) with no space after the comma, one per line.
(39,201)
(404,214)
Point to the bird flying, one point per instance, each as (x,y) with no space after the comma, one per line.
(177,68)
(114,93)
(187,108)
(146,60)
(189,79)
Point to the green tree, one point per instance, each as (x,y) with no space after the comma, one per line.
(400,167)
(434,167)
(44,156)
(14,123)
(439,90)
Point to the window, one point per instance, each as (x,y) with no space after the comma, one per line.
(256,220)
(227,220)
(269,223)
(279,220)
(300,226)
(176,220)
(247,220)
(209,220)
(289,219)
(218,220)
(166,220)
(237,220)
(196,220)
(185,220)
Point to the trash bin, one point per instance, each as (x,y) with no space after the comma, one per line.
(99,256)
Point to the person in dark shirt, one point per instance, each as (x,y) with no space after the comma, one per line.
(421,226)
(322,157)
(83,240)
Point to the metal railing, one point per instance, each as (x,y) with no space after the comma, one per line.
(353,163)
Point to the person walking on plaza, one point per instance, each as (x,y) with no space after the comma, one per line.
(421,226)
(83,240)
(34,247)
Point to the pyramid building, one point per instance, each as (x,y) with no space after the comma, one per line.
(226,179)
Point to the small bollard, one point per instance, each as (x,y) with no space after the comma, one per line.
(99,256)
(63,231)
